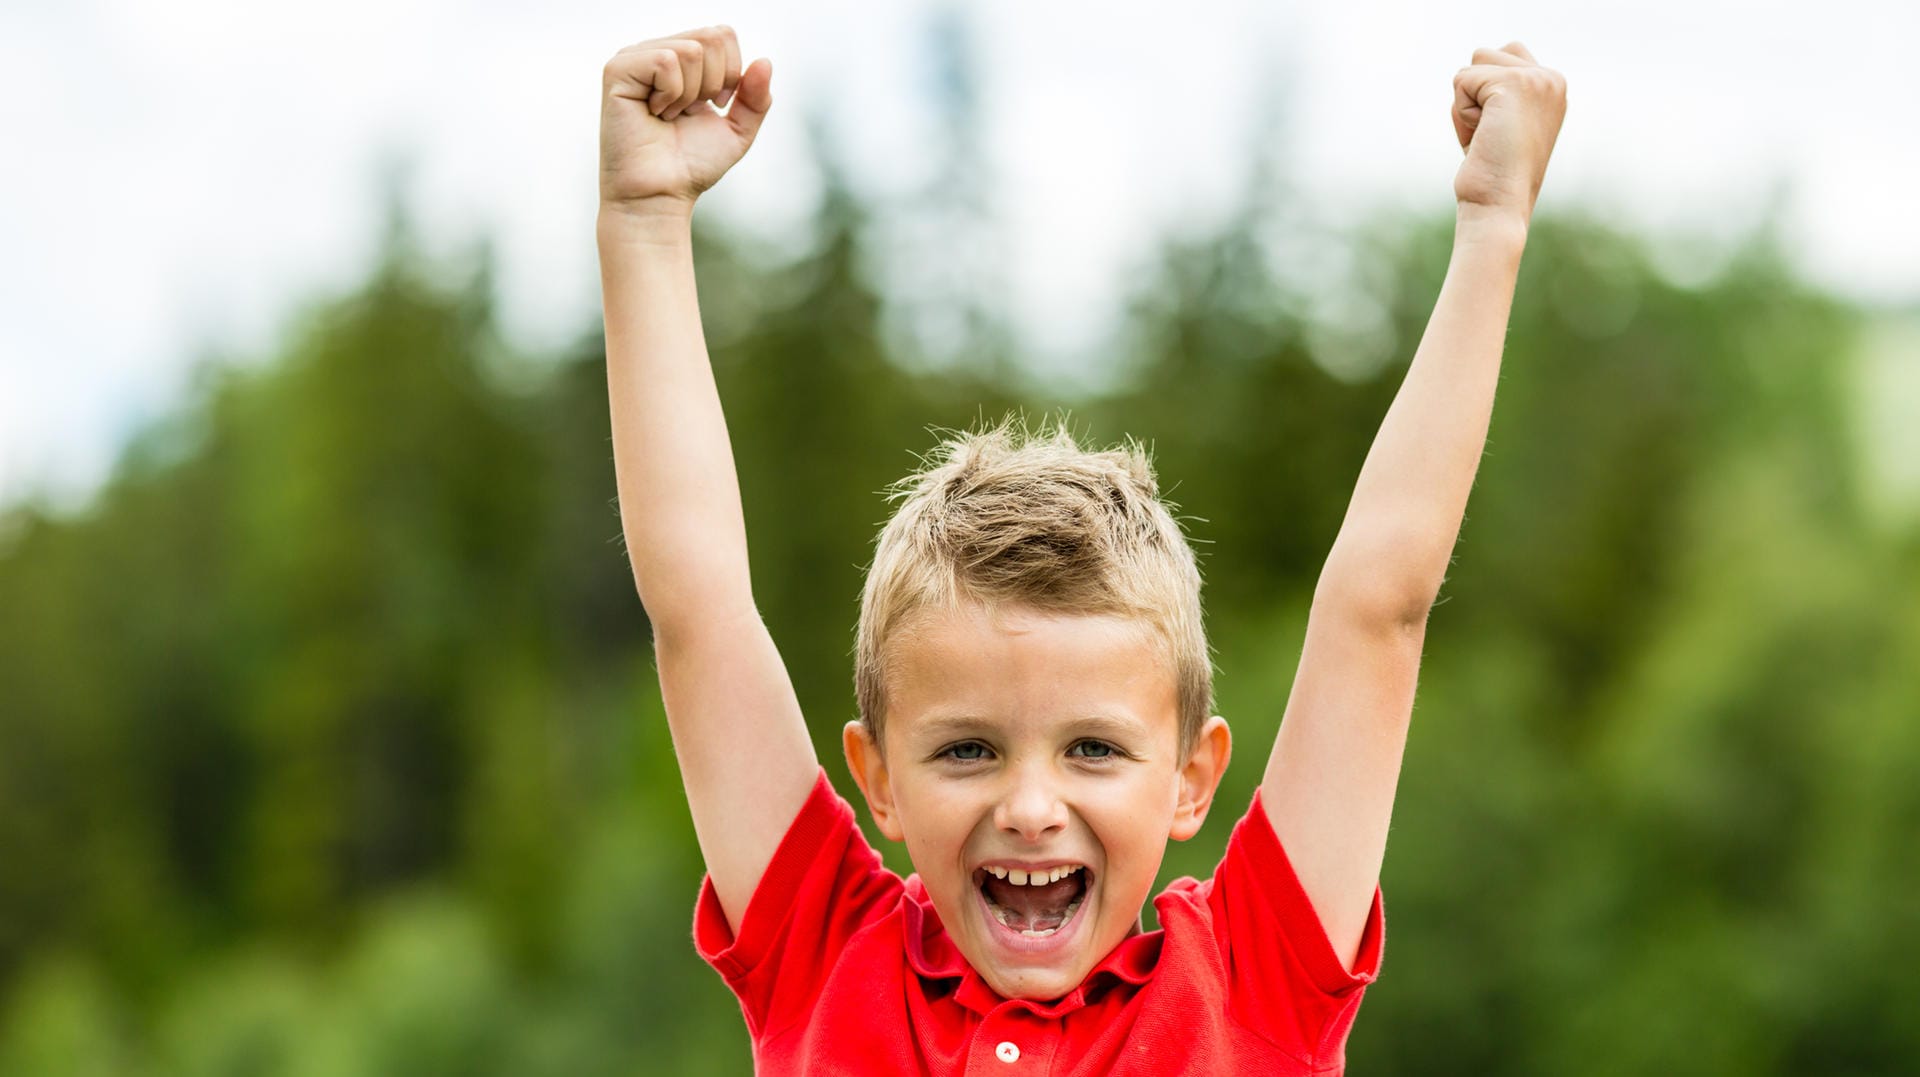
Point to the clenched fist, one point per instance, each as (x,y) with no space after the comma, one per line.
(1506,111)
(661,142)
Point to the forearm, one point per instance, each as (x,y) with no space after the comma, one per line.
(1399,531)
(679,498)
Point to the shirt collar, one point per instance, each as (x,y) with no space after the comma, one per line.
(932,955)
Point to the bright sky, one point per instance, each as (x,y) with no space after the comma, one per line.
(176,176)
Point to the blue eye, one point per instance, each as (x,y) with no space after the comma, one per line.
(971,751)
(1095,749)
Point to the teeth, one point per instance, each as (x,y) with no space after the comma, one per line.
(1002,914)
(1036,877)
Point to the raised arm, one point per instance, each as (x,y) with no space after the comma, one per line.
(1329,785)
(743,747)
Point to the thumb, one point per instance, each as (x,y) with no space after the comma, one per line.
(752,98)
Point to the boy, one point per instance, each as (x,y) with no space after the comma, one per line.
(1033,678)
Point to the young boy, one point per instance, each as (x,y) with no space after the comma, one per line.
(1033,677)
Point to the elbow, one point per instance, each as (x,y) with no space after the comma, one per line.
(1385,609)
(676,624)
(685,577)
(686,601)
(1366,591)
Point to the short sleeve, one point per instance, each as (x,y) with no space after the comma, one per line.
(824,883)
(1283,971)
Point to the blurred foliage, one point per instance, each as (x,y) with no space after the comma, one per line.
(329,739)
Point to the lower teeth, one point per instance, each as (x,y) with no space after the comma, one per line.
(1000,913)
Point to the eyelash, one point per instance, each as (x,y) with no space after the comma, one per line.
(948,753)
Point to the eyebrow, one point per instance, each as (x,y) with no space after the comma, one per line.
(952,724)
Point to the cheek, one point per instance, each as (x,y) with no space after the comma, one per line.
(938,822)
(934,805)
(1134,820)
(1145,798)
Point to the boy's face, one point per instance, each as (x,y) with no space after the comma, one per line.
(1022,742)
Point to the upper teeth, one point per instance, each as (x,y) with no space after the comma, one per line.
(1038,877)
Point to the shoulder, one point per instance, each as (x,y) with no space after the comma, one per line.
(1251,930)
(824,883)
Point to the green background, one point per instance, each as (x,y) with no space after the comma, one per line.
(330,742)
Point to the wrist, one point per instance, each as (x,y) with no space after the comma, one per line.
(1479,219)
(667,222)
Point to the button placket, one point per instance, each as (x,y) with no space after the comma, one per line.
(1013,1040)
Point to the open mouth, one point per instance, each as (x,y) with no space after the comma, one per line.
(1034,903)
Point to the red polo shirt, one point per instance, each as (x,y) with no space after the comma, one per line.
(842,967)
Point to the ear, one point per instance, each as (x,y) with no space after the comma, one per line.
(1212,747)
(869,767)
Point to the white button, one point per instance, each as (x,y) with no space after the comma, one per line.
(1007,1051)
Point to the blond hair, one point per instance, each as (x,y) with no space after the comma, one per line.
(1010,515)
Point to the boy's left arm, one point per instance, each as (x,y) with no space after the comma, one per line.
(1329,785)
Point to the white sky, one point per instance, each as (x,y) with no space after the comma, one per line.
(177,175)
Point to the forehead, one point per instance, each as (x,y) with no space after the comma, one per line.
(1016,664)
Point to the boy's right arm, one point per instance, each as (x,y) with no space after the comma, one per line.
(744,752)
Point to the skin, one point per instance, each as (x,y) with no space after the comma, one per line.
(1015,735)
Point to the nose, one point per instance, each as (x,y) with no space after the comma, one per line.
(1032,806)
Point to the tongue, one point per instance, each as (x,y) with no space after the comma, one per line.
(1035,908)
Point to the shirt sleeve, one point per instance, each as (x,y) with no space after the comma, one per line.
(824,883)
(1284,978)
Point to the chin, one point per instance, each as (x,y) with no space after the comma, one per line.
(1033,985)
